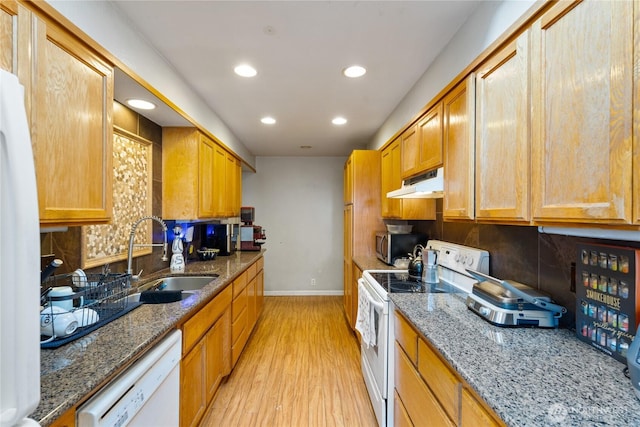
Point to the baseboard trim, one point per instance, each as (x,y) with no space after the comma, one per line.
(302,293)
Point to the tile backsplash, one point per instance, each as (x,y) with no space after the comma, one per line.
(543,261)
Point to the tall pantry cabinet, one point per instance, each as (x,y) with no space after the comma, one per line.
(361,218)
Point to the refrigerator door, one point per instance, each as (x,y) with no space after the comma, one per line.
(19,261)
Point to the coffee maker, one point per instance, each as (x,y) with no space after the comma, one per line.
(251,236)
(220,236)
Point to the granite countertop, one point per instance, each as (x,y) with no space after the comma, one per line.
(530,377)
(70,373)
(372,263)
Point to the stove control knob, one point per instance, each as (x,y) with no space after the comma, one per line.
(469,261)
(484,311)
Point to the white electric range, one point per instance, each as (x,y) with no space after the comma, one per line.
(376,325)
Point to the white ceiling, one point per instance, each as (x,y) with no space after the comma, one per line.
(299,49)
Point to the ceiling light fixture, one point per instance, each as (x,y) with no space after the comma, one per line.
(339,121)
(305,147)
(141,104)
(268,120)
(245,70)
(354,71)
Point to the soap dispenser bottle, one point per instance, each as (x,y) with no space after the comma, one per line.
(177,259)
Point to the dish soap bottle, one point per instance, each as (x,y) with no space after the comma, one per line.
(177,259)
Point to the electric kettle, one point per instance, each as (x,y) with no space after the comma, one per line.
(415,263)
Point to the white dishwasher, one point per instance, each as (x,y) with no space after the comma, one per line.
(146,394)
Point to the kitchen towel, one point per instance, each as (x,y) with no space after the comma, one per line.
(365,319)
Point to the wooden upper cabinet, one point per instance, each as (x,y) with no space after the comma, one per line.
(15,38)
(429,133)
(636,117)
(71,128)
(459,134)
(582,85)
(502,135)
(400,208)
(410,153)
(200,179)
(390,174)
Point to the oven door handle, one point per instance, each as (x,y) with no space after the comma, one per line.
(378,305)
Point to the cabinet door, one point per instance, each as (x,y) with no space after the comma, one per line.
(582,86)
(206,178)
(356,273)
(259,292)
(459,151)
(430,138)
(410,153)
(251,304)
(348,221)
(502,135)
(15,38)
(473,414)
(218,355)
(219,181)
(72,129)
(390,173)
(636,117)
(192,390)
(348,180)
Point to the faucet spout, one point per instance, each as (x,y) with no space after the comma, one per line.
(131,244)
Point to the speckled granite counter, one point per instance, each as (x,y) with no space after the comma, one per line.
(72,372)
(530,377)
(371,263)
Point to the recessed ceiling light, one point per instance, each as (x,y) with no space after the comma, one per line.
(339,121)
(268,120)
(354,71)
(245,70)
(141,104)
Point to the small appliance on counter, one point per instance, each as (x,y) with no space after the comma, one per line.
(391,246)
(633,363)
(509,303)
(252,237)
(222,237)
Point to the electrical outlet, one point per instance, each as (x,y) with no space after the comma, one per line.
(313,282)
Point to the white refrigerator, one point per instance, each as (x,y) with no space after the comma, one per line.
(19,262)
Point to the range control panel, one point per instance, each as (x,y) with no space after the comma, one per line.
(454,259)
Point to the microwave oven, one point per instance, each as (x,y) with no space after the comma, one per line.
(390,247)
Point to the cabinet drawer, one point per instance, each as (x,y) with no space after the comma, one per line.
(239,284)
(400,415)
(440,379)
(197,325)
(238,325)
(473,414)
(407,337)
(239,304)
(421,405)
(251,271)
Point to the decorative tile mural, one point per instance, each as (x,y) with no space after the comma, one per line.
(132,200)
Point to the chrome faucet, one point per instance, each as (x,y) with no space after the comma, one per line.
(131,237)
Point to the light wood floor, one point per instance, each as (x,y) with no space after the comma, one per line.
(300,368)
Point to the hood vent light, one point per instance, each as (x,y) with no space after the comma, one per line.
(425,186)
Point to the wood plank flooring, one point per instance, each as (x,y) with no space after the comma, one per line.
(301,367)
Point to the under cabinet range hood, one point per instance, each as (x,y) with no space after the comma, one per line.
(425,186)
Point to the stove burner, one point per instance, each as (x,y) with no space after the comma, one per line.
(399,282)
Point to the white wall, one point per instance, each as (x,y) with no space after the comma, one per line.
(299,201)
(482,28)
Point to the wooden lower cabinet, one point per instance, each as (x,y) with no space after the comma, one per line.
(428,392)
(68,419)
(473,414)
(248,298)
(206,357)
(422,406)
(400,415)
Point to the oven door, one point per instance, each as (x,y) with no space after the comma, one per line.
(375,359)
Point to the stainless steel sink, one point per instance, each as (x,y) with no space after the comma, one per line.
(182,283)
